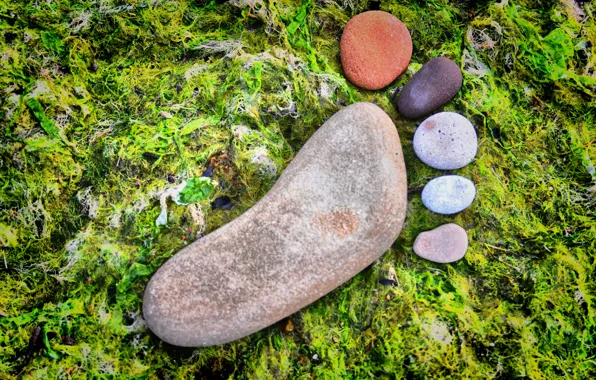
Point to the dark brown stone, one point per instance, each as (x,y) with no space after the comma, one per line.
(336,208)
(375,49)
(431,87)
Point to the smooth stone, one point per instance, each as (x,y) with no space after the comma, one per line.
(446,141)
(336,208)
(448,194)
(435,84)
(444,244)
(375,48)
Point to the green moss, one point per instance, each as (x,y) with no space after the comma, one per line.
(105,104)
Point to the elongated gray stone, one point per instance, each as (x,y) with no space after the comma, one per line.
(336,208)
(448,194)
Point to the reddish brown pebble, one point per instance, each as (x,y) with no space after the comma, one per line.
(375,49)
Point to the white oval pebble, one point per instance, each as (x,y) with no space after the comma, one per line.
(446,141)
(448,194)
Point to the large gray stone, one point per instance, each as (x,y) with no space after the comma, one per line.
(336,208)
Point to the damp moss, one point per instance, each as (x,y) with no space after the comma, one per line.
(107,105)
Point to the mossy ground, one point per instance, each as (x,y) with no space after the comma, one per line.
(105,104)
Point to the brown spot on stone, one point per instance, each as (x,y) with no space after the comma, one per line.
(273,260)
(340,223)
(429,124)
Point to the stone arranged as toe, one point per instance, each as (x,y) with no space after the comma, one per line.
(375,49)
(448,194)
(431,87)
(444,244)
(446,141)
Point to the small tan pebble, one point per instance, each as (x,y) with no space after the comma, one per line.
(444,244)
(391,274)
(289,327)
(336,339)
(166,114)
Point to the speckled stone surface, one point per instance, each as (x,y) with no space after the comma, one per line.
(448,194)
(444,244)
(336,208)
(446,141)
(375,48)
(431,87)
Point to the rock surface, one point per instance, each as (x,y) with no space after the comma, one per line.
(375,48)
(446,141)
(335,209)
(448,194)
(431,87)
(444,244)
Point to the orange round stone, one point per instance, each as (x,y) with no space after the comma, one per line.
(375,49)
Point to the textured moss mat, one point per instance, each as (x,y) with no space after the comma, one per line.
(109,106)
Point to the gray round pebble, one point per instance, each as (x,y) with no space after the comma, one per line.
(446,141)
(448,194)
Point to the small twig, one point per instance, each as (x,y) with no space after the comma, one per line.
(437,269)
(498,248)
(586,145)
(33,342)
(97,135)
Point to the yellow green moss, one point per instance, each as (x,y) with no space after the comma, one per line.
(106,105)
